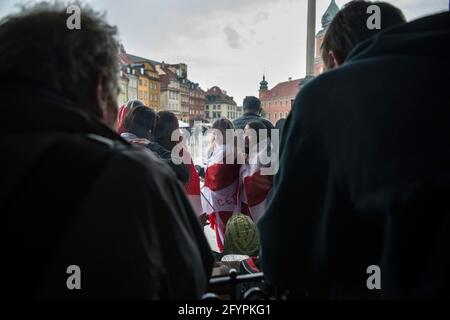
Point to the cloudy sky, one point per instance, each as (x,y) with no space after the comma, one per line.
(229,43)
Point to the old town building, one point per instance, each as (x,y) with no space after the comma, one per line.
(170,91)
(149,82)
(123,86)
(277,102)
(196,103)
(218,104)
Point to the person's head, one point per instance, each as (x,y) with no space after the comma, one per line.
(140,121)
(123,112)
(252,132)
(167,123)
(252,104)
(221,125)
(82,65)
(280,124)
(349,27)
(133,104)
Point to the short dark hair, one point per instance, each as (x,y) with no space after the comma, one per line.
(252,104)
(349,27)
(167,122)
(37,47)
(140,121)
(258,126)
(133,104)
(222,124)
(280,124)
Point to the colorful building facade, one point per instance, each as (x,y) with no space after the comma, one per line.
(196,103)
(277,102)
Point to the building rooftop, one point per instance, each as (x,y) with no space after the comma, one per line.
(137,59)
(329,14)
(217,95)
(288,88)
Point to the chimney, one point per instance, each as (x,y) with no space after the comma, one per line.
(289,79)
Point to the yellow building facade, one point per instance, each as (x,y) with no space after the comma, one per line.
(149,86)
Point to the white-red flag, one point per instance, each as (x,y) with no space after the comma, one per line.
(255,188)
(192,186)
(219,199)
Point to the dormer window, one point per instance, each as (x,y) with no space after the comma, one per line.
(142,71)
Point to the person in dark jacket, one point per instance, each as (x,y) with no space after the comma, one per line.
(252,112)
(85,215)
(161,144)
(364,181)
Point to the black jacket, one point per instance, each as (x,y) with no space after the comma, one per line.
(181,170)
(365,173)
(73,192)
(248,117)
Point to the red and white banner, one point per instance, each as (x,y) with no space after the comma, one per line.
(192,186)
(220,191)
(255,188)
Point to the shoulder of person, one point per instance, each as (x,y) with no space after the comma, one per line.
(133,157)
(315,94)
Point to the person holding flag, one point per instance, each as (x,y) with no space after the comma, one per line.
(220,190)
(255,187)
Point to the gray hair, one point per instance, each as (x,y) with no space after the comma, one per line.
(37,46)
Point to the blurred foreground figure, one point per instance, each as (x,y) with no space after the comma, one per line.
(349,27)
(364,177)
(72,192)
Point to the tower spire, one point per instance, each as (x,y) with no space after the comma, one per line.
(263,85)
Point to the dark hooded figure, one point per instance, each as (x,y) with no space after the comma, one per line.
(361,203)
(85,215)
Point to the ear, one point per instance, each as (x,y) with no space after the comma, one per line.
(107,116)
(337,61)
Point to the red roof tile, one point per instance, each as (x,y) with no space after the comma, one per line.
(283,89)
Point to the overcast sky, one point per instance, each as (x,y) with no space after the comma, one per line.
(229,43)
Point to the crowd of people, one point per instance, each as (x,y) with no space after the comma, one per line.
(230,186)
(363,174)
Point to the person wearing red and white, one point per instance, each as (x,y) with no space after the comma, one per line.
(220,191)
(255,187)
